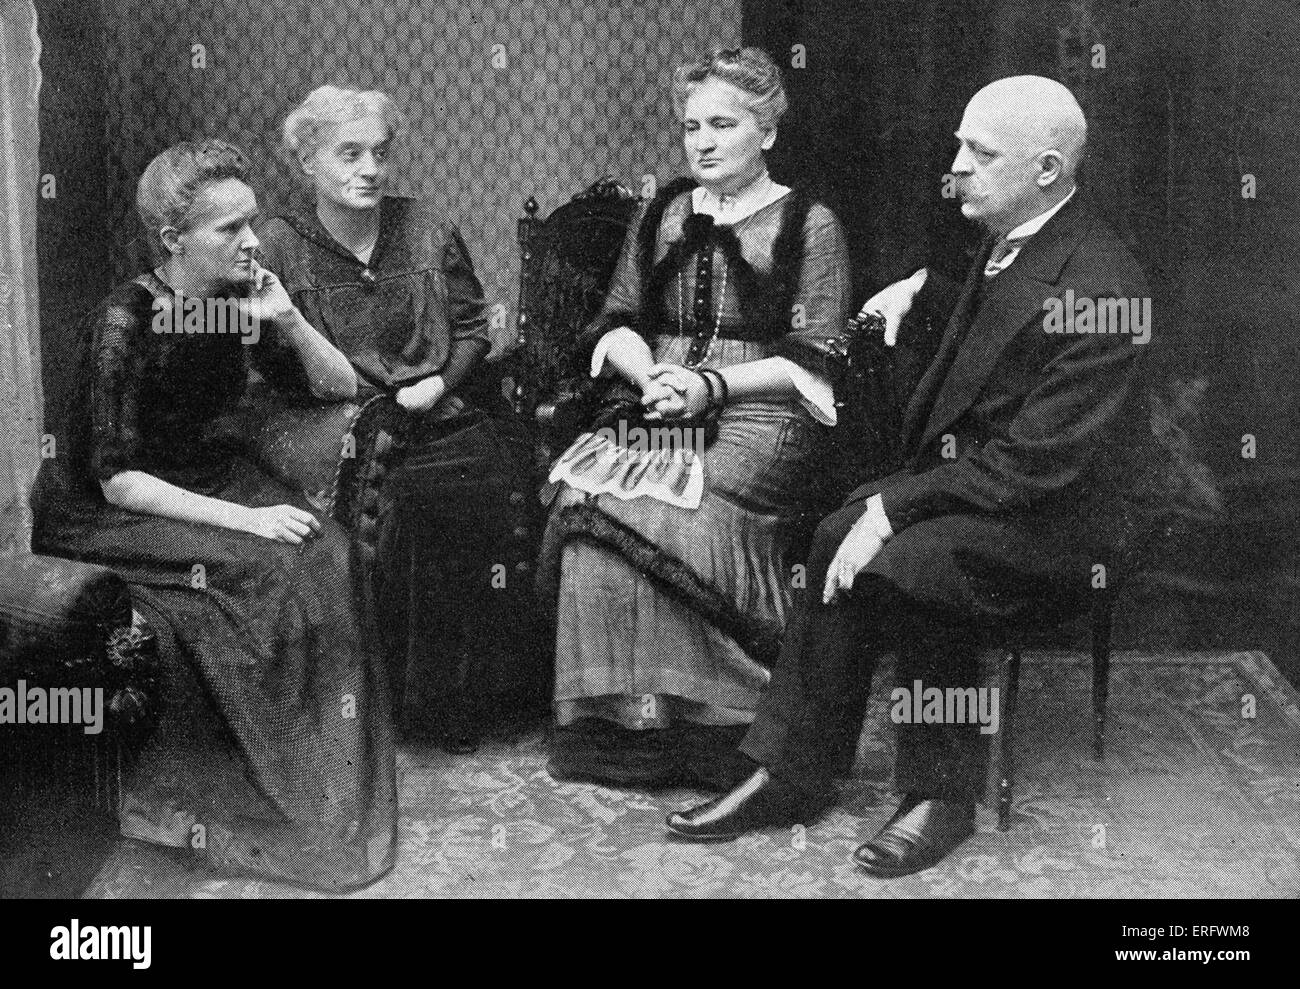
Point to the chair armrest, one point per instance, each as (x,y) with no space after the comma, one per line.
(50,604)
(555,409)
(564,413)
(134,677)
(68,623)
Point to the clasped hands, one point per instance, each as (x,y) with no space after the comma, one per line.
(674,392)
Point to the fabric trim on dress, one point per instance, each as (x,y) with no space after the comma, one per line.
(760,640)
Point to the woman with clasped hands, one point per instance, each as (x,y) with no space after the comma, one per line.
(668,548)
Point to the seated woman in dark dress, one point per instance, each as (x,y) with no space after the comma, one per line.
(673,567)
(389,282)
(274,756)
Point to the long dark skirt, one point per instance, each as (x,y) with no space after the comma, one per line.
(438,581)
(274,756)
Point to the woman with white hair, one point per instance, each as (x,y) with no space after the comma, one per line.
(389,281)
(668,545)
(274,756)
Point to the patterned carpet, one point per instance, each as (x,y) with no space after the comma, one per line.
(1193,800)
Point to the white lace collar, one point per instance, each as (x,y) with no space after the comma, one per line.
(732,209)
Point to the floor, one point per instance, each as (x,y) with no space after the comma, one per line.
(1199,795)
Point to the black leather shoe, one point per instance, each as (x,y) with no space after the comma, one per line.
(759,802)
(920,834)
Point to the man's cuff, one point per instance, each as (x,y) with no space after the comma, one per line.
(875,516)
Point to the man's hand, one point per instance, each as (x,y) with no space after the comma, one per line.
(894,302)
(448,407)
(860,546)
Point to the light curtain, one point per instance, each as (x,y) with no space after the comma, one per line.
(20,383)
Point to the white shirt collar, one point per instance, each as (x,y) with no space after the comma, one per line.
(732,209)
(1031,227)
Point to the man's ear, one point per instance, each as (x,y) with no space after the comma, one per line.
(306,159)
(1051,166)
(769,139)
(171,238)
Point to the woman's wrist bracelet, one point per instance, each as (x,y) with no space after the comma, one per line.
(722,393)
(710,395)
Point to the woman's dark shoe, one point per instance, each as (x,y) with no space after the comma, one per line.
(593,750)
(561,772)
(758,803)
(920,834)
(460,740)
(458,720)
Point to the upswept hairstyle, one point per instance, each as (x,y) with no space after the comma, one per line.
(325,107)
(751,70)
(172,181)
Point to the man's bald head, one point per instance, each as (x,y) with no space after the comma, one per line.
(1022,140)
(1039,113)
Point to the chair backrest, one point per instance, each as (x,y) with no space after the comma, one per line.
(567,261)
(868,395)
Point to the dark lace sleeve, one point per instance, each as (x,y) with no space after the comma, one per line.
(278,364)
(822,301)
(119,367)
(466,311)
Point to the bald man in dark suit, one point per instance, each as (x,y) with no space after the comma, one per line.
(1024,444)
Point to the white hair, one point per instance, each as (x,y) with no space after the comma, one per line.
(310,122)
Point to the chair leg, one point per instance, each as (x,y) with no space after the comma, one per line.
(1007,748)
(1101,624)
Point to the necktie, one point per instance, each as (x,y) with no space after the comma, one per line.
(1002,250)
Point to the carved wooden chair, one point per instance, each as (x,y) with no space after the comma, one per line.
(567,261)
(1100,619)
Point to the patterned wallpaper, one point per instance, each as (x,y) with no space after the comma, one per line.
(504,99)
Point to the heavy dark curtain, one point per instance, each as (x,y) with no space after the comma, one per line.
(1195,102)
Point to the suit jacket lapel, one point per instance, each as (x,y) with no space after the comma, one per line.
(1010,301)
(922,400)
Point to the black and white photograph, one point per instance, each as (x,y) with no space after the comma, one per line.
(696,449)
